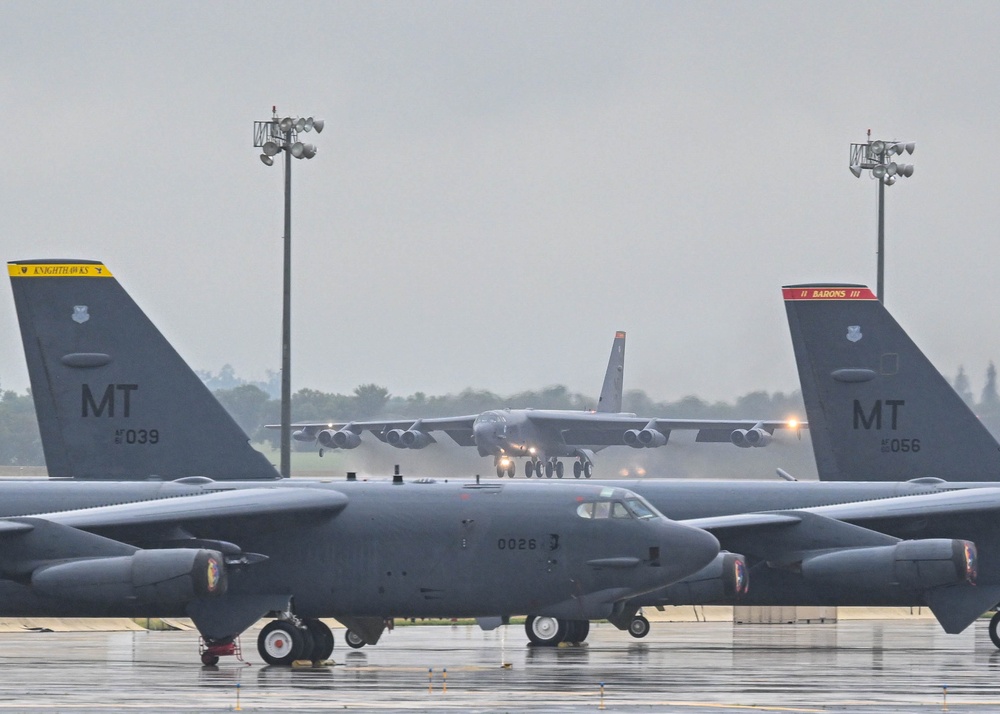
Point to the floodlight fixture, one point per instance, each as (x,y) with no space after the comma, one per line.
(286,124)
(266,160)
(271,148)
(874,156)
(318,125)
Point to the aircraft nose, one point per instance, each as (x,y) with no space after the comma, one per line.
(687,550)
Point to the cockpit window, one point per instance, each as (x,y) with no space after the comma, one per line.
(639,508)
(631,508)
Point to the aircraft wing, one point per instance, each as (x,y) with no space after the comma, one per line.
(599,429)
(459,428)
(257,503)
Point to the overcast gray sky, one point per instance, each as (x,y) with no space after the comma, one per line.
(501,186)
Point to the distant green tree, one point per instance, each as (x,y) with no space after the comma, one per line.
(369,400)
(962,386)
(246,405)
(990,400)
(20,440)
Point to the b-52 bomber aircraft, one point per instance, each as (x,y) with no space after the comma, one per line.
(543,436)
(804,543)
(117,402)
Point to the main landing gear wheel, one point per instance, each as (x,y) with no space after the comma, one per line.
(282,643)
(559,469)
(994,623)
(549,468)
(638,627)
(577,469)
(577,631)
(501,471)
(529,469)
(588,470)
(354,640)
(511,469)
(545,631)
(322,640)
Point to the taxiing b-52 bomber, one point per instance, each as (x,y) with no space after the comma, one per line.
(219,539)
(543,436)
(152,519)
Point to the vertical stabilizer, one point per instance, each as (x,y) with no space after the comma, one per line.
(878,410)
(114,400)
(611,392)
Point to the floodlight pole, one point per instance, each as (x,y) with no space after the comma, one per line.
(286,325)
(880,280)
(875,156)
(273,136)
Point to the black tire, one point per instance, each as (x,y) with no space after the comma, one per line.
(545,631)
(548,469)
(638,627)
(322,640)
(209,660)
(577,469)
(280,643)
(559,469)
(577,631)
(994,637)
(529,467)
(500,471)
(354,640)
(511,470)
(588,470)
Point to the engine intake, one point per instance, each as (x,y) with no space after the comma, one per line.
(724,580)
(911,564)
(173,575)
(338,439)
(643,439)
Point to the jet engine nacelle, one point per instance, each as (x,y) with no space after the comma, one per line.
(342,439)
(746,438)
(394,437)
(911,564)
(724,580)
(645,438)
(414,439)
(171,575)
(408,439)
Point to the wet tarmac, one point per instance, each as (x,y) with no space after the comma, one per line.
(851,666)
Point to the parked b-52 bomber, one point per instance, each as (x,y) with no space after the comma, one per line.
(227,551)
(175,535)
(543,436)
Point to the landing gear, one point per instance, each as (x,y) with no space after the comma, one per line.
(322,640)
(354,640)
(577,631)
(533,468)
(549,468)
(577,469)
(559,469)
(545,631)
(281,642)
(638,627)
(550,631)
(588,470)
(994,624)
(506,468)
(501,471)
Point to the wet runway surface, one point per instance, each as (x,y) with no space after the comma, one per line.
(855,666)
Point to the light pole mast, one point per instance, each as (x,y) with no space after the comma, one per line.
(271,137)
(875,156)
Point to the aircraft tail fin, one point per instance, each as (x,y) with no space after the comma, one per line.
(114,399)
(878,410)
(611,393)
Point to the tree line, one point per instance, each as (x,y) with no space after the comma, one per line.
(252,406)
